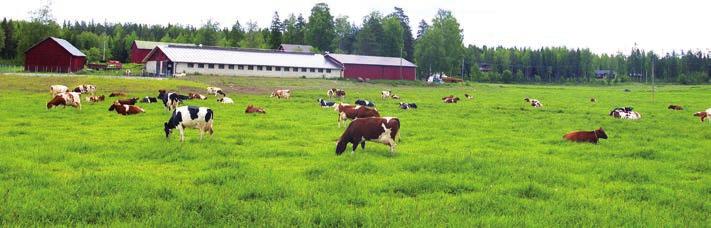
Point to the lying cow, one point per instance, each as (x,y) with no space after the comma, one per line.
(468,96)
(348,112)
(586,136)
(338,93)
(385,94)
(225,100)
(85,89)
(534,102)
(213,90)
(149,100)
(408,106)
(451,100)
(125,109)
(252,109)
(200,118)
(65,99)
(593,100)
(95,99)
(57,89)
(117,94)
(281,93)
(170,100)
(325,104)
(625,113)
(130,101)
(704,115)
(395,97)
(197,96)
(366,103)
(384,130)
(675,107)
(448,97)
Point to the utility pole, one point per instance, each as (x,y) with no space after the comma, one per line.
(401,47)
(653,87)
(103,54)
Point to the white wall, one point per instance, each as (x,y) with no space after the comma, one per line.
(183,67)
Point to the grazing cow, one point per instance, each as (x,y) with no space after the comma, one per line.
(593,100)
(57,89)
(534,102)
(149,100)
(396,97)
(675,107)
(339,107)
(408,105)
(95,99)
(225,100)
(200,118)
(384,130)
(586,136)
(366,103)
(704,115)
(183,97)
(197,96)
(448,97)
(170,100)
(252,109)
(625,113)
(130,101)
(468,96)
(85,89)
(451,100)
(338,93)
(346,113)
(385,93)
(65,99)
(281,93)
(117,94)
(125,109)
(213,90)
(325,104)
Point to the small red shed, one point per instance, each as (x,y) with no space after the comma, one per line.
(375,67)
(54,55)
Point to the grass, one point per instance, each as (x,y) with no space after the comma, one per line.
(490,161)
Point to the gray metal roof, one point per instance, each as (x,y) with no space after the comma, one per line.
(68,46)
(191,54)
(142,44)
(296,48)
(371,60)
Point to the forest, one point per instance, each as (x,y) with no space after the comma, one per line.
(436,46)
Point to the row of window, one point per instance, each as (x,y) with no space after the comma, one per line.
(267,68)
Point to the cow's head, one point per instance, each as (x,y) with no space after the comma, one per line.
(600,133)
(341,146)
(167,129)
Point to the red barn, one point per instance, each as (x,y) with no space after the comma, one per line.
(54,55)
(140,49)
(375,67)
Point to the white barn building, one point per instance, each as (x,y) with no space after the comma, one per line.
(176,59)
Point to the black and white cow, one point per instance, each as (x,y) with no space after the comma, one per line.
(170,100)
(408,105)
(326,104)
(366,103)
(149,100)
(200,118)
(380,129)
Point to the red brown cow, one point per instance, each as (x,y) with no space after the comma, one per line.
(130,101)
(675,107)
(117,94)
(95,99)
(338,93)
(448,97)
(704,115)
(281,93)
(384,130)
(586,136)
(65,99)
(197,96)
(451,100)
(125,109)
(346,113)
(252,109)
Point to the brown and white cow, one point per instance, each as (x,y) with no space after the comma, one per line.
(704,115)
(347,112)
(85,89)
(385,94)
(252,109)
(384,130)
(125,109)
(281,93)
(130,101)
(448,97)
(65,99)
(676,107)
(57,89)
(451,100)
(586,136)
(534,102)
(197,96)
(213,90)
(338,93)
(95,99)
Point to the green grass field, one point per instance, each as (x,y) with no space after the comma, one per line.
(491,161)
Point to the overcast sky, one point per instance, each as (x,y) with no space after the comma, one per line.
(605,26)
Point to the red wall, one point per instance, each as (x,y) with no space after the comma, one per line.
(137,55)
(51,57)
(158,56)
(378,72)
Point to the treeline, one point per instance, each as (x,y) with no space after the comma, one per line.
(436,47)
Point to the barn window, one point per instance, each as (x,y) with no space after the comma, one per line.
(221,66)
(312,70)
(303,69)
(296,69)
(191,65)
(250,67)
(320,70)
(211,66)
(269,68)
(328,71)
(200,65)
(240,67)
(286,69)
(259,68)
(231,67)
(277,68)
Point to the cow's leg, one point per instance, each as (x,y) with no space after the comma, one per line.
(362,145)
(182,133)
(355,146)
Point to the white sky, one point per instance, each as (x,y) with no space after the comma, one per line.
(605,26)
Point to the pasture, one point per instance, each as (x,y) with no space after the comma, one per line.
(493,160)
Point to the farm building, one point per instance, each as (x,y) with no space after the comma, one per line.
(601,74)
(172,59)
(54,55)
(296,48)
(140,48)
(374,67)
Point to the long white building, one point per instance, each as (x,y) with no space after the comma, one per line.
(175,59)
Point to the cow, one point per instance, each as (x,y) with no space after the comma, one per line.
(448,97)
(220,93)
(197,96)
(281,93)
(325,104)
(468,96)
(704,115)
(85,89)
(117,94)
(451,100)
(170,100)
(395,97)
(252,109)
(225,100)
(366,103)
(213,90)
(125,109)
(675,107)
(341,106)
(57,89)
(625,113)
(408,105)
(200,118)
(338,93)
(346,113)
(149,100)
(593,100)
(534,102)
(95,99)
(183,97)
(384,130)
(586,136)
(65,99)
(385,93)
(130,101)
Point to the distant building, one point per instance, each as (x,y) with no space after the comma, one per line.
(295,48)
(485,67)
(140,48)
(54,55)
(601,74)
(374,67)
(171,59)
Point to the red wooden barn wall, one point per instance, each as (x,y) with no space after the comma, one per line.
(158,55)
(378,72)
(137,55)
(49,56)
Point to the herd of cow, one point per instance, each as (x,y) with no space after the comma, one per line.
(366,122)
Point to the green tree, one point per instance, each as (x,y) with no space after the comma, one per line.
(2,36)
(208,34)
(10,43)
(440,47)
(236,34)
(289,29)
(345,35)
(254,37)
(408,40)
(275,32)
(369,40)
(392,42)
(299,30)
(320,30)
(41,26)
